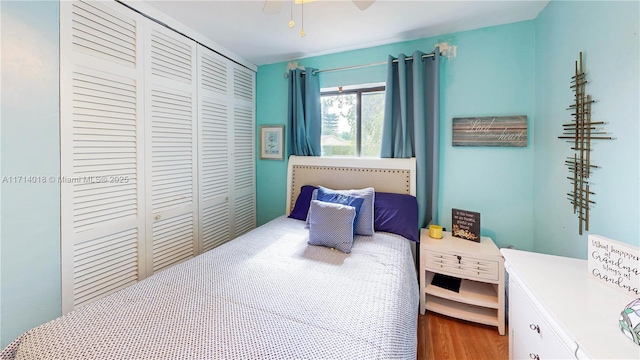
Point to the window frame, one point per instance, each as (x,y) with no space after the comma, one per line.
(358,91)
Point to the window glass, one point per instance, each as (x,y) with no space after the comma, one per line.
(339,125)
(372,114)
(352,122)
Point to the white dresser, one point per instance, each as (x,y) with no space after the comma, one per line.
(556,311)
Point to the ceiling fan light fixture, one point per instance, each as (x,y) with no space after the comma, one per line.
(274,6)
(291,22)
(302,33)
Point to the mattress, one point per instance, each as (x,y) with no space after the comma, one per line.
(264,295)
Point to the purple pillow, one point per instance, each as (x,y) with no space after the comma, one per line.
(301,208)
(398,214)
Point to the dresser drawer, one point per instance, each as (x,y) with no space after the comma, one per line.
(462,265)
(532,336)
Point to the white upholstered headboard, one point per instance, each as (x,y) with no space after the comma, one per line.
(385,175)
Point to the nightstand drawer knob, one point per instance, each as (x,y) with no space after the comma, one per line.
(534,356)
(459,258)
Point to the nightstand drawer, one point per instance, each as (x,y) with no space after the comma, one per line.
(462,265)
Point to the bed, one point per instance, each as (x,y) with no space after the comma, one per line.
(266,294)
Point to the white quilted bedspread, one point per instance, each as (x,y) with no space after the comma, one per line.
(266,295)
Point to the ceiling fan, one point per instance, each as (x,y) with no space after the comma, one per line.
(275,6)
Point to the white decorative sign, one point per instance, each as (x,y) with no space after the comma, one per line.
(615,264)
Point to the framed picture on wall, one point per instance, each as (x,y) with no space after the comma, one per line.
(272,142)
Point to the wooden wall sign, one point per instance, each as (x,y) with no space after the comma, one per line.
(615,264)
(490,131)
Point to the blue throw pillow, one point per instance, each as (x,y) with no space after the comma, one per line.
(364,221)
(339,198)
(301,208)
(331,225)
(398,214)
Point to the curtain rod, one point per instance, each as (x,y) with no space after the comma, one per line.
(286,75)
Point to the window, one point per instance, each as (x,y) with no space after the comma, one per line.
(352,122)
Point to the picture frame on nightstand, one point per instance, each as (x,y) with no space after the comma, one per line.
(465,224)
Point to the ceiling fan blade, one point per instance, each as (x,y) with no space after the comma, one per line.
(272,7)
(363,4)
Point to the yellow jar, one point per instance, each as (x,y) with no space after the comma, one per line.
(435,231)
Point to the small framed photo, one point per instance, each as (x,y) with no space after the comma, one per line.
(272,142)
(465,224)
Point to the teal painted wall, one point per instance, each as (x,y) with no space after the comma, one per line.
(30,216)
(607,34)
(493,74)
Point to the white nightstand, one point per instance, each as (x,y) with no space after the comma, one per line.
(481,268)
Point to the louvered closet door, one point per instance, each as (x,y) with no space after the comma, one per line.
(215,126)
(102,200)
(243,175)
(171,148)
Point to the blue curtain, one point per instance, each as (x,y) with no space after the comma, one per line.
(304,116)
(411,124)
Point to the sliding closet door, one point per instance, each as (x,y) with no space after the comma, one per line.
(243,151)
(171,147)
(157,149)
(227,148)
(215,125)
(102,201)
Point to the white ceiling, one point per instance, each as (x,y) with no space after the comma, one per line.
(336,25)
